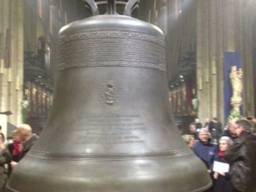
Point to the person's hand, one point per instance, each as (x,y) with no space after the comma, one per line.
(13,164)
(215,175)
(223,174)
(2,146)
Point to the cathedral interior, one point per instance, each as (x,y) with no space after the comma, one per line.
(127,95)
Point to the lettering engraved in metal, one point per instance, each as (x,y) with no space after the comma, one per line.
(128,49)
(111,129)
(111,34)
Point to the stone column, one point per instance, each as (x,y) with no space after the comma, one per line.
(162,15)
(12,86)
(2,45)
(213,59)
(254,57)
(248,59)
(4,30)
(3,118)
(203,65)
(11,68)
(11,61)
(20,59)
(220,59)
(172,38)
(4,23)
(210,52)
(229,25)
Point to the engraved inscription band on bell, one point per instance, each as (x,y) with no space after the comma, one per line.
(76,53)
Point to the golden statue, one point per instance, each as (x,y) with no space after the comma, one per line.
(236,77)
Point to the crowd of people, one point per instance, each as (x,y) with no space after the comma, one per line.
(13,150)
(228,153)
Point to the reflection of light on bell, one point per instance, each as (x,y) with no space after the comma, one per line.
(110,127)
(88,150)
(139,161)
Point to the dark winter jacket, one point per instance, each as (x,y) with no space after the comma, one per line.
(222,183)
(5,159)
(206,152)
(29,143)
(242,158)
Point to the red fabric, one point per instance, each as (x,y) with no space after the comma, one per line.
(17,148)
(221,154)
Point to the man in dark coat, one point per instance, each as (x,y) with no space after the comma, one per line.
(230,130)
(242,158)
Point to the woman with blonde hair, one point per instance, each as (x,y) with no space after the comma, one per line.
(189,140)
(20,136)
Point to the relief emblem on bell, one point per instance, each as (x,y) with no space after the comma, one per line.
(109,94)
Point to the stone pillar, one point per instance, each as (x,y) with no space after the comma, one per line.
(20,59)
(248,58)
(210,52)
(213,59)
(11,62)
(254,57)
(229,28)
(2,45)
(203,66)
(220,59)
(4,31)
(4,23)
(172,40)
(162,15)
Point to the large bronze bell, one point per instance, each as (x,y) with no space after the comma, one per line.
(110,129)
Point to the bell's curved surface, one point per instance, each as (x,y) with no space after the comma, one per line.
(110,129)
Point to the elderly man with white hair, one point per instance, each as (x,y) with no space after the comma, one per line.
(204,149)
